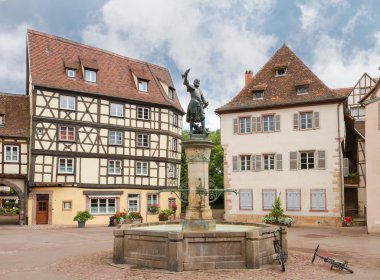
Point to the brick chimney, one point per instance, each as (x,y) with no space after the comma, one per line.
(248,76)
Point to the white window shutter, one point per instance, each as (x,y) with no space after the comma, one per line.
(236,126)
(318,200)
(316,120)
(293,200)
(277,123)
(253,162)
(295,121)
(269,197)
(254,124)
(258,162)
(278,161)
(235,165)
(258,124)
(321,159)
(245,200)
(293,160)
(346,164)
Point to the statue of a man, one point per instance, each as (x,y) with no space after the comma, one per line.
(195,110)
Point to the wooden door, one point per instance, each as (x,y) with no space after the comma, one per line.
(42,213)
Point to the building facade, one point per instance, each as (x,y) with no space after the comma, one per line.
(372,129)
(14,148)
(105,132)
(283,136)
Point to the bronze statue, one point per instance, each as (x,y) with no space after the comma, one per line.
(195,109)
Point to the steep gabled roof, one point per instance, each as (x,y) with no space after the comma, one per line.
(282,91)
(49,56)
(343,91)
(371,93)
(15,108)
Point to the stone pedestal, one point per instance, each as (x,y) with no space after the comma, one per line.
(198,213)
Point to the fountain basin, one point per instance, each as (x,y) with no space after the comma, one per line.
(164,245)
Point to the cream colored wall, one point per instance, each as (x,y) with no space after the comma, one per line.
(283,142)
(11,167)
(78,199)
(372,132)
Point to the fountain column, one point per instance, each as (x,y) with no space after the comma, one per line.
(198,213)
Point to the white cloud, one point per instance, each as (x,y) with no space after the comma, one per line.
(361,14)
(12,57)
(218,39)
(338,68)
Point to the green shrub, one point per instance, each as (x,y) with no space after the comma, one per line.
(83,216)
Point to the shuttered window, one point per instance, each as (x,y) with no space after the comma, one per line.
(268,162)
(316,120)
(293,160)
(295,121)
(306,120)
(235,163)
(279,162)
(256,162)
(268,123)
(346,165)
(245,125)
(235,126)
(245,197)
(321,159)
(318,200)
(307,160)
(245,163)
(256,124)
(293,200)
(277,123)
(269,196)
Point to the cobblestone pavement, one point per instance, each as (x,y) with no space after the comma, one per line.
(71,253)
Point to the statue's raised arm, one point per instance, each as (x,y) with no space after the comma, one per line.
(184,77)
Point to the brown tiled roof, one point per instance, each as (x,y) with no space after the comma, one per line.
(343,91)
(16,110)
(360,127)
(49,54)
(281,91)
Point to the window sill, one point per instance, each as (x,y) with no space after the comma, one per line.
(294,210)
(246,209)
(66,109)
(115,145)
(66,141)
(318,210)
(12,161)
(61,173)
(115,175)
(118,117)
(142,175)
(140,119)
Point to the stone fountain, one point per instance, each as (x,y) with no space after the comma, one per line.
(197,242)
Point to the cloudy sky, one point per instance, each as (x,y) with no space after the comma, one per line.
(218,39)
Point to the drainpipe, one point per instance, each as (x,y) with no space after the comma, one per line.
(340,166)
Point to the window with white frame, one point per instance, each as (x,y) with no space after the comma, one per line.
(245,125)
(133,202)
(280,72)
(103,205)
(143,85)
(11,153)
(90,75)
(66,205)
(174,145)
(172,170)
(245,163)
(293,200)
(268,123)
(67,102)
(245,200)
(307,160)
(143,140)
(115,137)
(116,110)
(114,167)
(142,168)
(171,93)
(269,196)
(175,119)
(67,133)
(258,94)
(268,162)
(2,119)
(318,200)
(71,73)
(143,113)
(306,120)
(152,201)
(301,90)
(66,166)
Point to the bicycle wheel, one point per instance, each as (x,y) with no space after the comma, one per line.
(282,260)
(348,269)
(315,254)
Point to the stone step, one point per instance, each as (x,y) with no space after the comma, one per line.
(357,222)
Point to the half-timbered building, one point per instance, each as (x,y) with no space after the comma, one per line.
(106,132)
(14,147)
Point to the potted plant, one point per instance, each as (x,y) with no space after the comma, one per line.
(134,217)
(277,216)
(81,217)
(153,209)
(165,214)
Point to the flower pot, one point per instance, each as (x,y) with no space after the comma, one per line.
(163,217)
(81,224)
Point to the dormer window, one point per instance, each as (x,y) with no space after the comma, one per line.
(71,73)
(302,90)
(281,72)
(90,75)
(2,120)
(258,94)
(143,85)
(171,93)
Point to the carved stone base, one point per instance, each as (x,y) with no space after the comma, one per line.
(198,225)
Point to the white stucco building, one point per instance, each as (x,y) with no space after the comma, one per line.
(283,135)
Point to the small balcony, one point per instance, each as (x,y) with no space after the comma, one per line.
(351,179)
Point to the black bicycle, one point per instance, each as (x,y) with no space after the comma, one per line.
(281,254)
(334,263)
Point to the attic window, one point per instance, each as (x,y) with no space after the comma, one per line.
(302,90)
(171,93)
(90,75)
(143,85)
(71,73)
(281,72)
(2,120)
(258,94)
